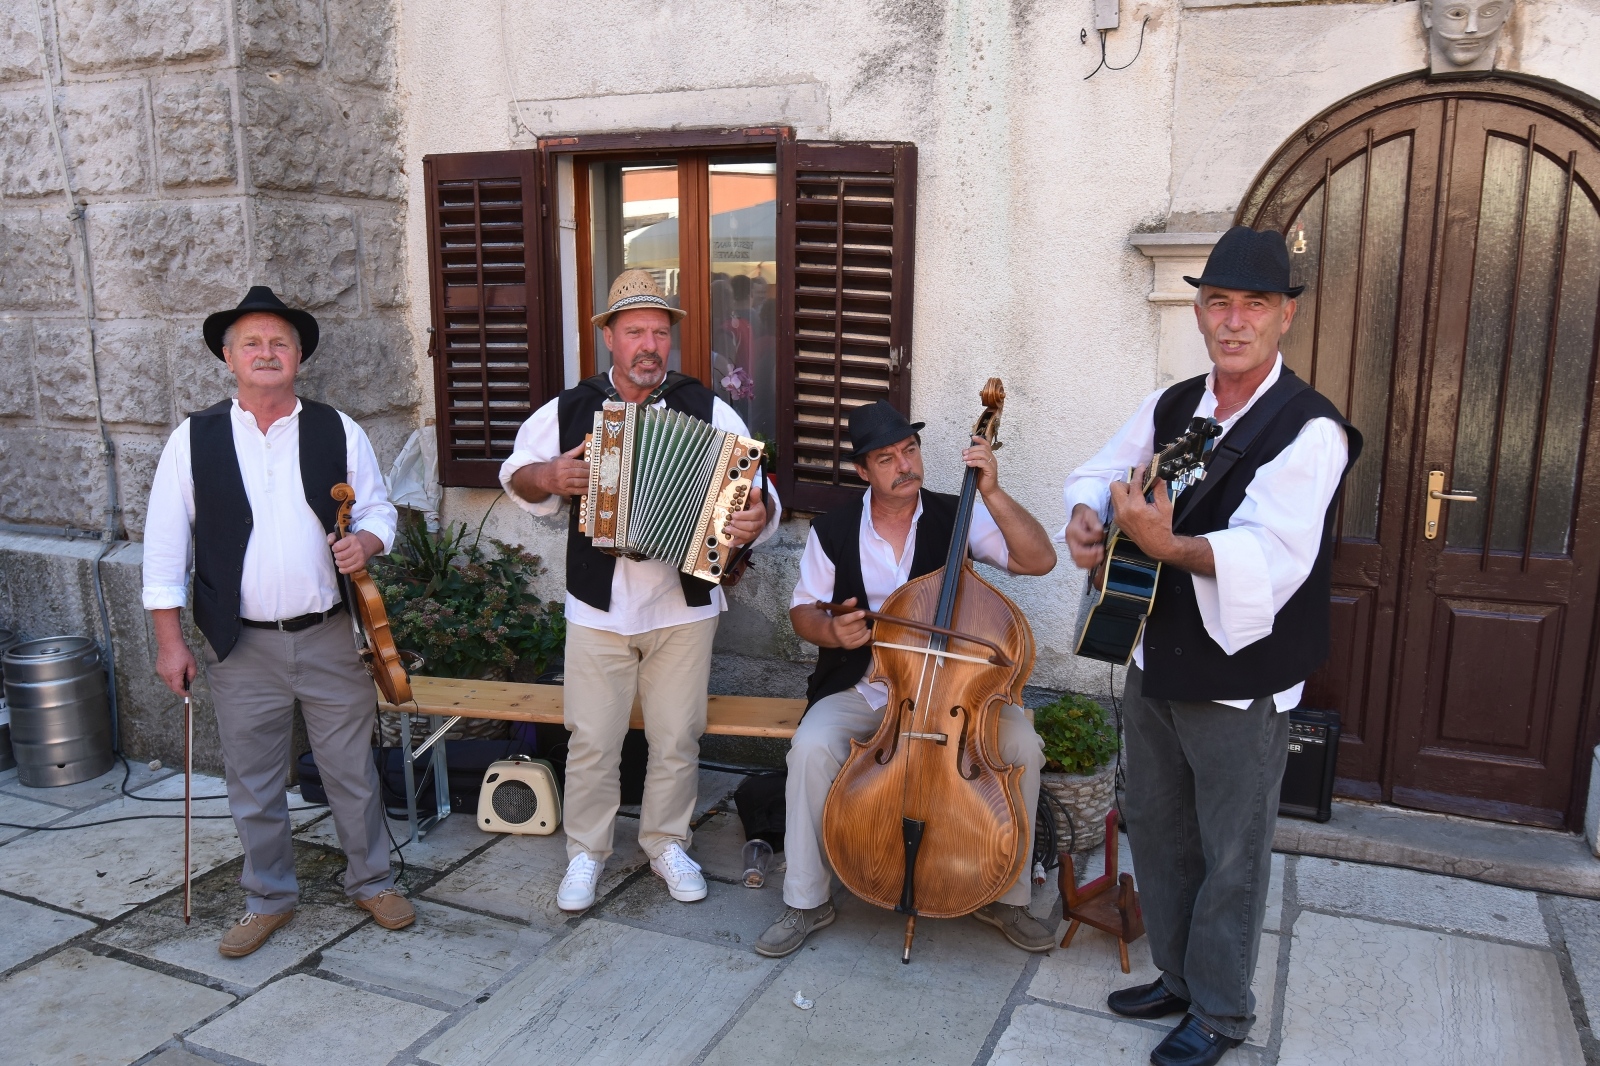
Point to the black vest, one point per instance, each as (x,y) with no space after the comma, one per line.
(839,533)
(1181,661)
(589,570)
(222,516)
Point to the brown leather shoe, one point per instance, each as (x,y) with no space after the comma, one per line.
(389,909)
(251,932)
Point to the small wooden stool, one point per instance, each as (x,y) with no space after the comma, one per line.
(1115,912)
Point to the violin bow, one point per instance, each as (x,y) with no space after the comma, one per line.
(998,658)
(188,801)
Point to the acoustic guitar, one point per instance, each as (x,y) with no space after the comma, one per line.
(374,641)
(1120,592)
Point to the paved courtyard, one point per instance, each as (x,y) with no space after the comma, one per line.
(1365,965)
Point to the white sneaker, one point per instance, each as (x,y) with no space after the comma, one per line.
(578,886)
(681,873)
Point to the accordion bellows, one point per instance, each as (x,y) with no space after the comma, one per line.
(662,485)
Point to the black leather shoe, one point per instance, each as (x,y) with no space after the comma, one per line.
(1192,1043)
(1146,1001)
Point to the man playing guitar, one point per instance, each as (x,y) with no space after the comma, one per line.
(1240,621)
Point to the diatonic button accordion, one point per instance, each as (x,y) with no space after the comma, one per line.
(662,485)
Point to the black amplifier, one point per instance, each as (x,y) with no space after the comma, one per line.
(1308,776)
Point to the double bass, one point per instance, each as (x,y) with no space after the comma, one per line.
(925,818)
(374,642)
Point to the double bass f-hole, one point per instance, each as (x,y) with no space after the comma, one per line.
(907,711)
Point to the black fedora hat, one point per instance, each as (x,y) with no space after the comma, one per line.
(877,425)
(1250,261)
(261,298)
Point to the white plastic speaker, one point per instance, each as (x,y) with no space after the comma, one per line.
(519,796)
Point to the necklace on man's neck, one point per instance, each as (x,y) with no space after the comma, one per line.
(1233,408)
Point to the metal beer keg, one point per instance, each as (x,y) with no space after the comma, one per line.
(7,639)
(60,720)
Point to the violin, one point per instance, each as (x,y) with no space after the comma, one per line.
(924,817)
(374,642)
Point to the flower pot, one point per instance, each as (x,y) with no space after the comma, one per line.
(1087,798)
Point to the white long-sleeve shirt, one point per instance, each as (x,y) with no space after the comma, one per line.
(645,593)
(882,571)
(288,568)
(1271,541)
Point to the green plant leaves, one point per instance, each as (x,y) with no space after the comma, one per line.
(468,612)
(1078,738)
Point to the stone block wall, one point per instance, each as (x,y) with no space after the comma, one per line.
(216,144)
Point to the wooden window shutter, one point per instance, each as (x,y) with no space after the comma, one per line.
(486,257)
(846,228)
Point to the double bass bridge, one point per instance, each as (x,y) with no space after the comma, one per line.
(937,738)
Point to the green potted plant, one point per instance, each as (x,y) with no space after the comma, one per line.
(467,610)
(1080,765)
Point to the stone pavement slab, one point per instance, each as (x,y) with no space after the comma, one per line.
(719,845)
(1580,926)
(870,1008)
(449,956)
(1050,1036)
(518,877)
(1426,900)
(1366,994)
(610,994)
(89,793)
(76,1009)
(445,844)
(30,930)
(159,932)
(21,811)
(716,790)
(1091,969)
(303,1019)
(730,914)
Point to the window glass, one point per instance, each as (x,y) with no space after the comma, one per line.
(633,218)
(744,289)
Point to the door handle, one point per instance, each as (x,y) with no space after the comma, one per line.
(1436,493)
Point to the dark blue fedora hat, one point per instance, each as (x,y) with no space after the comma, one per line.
(877,425)
(260,298)
(1250,261)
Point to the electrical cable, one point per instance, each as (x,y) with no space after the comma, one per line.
(1107,66)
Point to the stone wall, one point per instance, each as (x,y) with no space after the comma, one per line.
(216,144)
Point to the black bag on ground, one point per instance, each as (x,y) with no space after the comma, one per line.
(468,760)
(552,744)
(759,801)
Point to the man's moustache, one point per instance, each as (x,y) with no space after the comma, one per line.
(905,479)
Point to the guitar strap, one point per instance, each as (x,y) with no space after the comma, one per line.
(1232,447)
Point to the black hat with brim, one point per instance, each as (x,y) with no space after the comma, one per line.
(262,299)
(1249,261)
(877,425)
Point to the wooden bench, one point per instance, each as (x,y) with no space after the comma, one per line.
(454,699)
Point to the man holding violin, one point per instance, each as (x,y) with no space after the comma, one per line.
(1240,620)
(243,490)
(857,556)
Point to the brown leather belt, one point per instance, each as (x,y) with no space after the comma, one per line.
(295,625)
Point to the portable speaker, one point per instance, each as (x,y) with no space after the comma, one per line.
(519,796)
(1313,756)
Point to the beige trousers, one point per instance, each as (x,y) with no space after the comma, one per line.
(668,669)
(821,745)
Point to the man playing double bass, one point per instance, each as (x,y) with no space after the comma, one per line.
(1240,620)
(858,555)
(243,489)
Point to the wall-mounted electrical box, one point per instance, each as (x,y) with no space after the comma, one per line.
(1106,14)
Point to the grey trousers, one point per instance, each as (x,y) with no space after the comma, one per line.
(820,746)
(255,689)
(1201,805)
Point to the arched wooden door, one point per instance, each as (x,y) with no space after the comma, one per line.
(1449,237)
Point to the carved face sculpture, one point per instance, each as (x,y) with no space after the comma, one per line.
(1462,33)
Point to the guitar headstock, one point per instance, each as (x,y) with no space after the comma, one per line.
(1189,451)
(993,396)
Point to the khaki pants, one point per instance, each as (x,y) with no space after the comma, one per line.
(668,669)
(821,745)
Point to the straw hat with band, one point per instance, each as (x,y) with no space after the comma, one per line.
(632,290)
(261,299)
